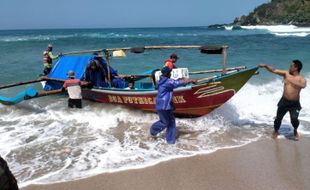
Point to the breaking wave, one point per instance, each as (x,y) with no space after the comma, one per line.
(277,30)
(282,30)
(37,36)
(90,35)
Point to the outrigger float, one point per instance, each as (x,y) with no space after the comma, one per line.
(192,100)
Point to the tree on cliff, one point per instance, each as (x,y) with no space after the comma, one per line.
(276,12)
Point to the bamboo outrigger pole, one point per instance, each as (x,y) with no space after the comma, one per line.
(28,93)
(214,49)
(207,79)
(191,73)
(209,49)
(84,51)
(20,83)
(131,48)
(46,93)
(217,70)
(29,82)
(141,49)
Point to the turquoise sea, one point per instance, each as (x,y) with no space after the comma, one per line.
(44,142)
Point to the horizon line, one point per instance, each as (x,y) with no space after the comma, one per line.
(74,28)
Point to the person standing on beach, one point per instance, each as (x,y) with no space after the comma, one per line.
(293,83)
(164,105)
(73,87)
(170,62)
(48,58)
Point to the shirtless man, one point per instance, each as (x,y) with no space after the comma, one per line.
(293,83)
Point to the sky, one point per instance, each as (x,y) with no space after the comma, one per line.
(41,14)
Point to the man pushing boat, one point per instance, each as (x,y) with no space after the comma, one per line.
(293,83)
(164,105)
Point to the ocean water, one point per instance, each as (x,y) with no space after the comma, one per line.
(45,142)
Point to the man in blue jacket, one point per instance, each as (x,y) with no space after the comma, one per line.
(164,105)
(95,74)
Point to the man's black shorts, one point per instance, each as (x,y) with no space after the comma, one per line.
(75,103)
(289,104)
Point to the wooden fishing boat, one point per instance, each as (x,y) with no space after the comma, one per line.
(192,100)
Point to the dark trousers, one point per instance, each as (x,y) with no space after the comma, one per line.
(47,70)
(285,106)
(74,103)
(166,120)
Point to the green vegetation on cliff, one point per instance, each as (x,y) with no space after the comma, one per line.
(296,12)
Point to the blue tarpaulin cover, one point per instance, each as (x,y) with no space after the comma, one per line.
(77,64)
(65,64)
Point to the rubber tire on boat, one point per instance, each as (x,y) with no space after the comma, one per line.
(137,49)
(211,49)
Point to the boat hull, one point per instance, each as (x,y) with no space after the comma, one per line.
(190,101)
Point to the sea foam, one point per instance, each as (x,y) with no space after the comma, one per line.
(39,37)
(282,30)
(46,142)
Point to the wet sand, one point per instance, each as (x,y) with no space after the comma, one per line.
(266,164)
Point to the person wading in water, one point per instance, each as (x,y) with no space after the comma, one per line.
(164,105)
(293,83)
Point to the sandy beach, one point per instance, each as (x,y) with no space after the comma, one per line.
(266,164)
